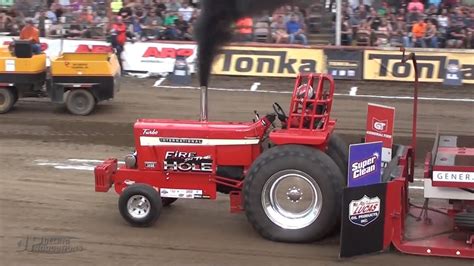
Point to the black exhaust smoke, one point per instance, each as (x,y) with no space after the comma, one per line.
(213,26)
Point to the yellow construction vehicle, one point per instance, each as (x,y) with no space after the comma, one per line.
(80,80)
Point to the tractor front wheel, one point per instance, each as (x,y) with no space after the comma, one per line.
(293,194)
(7,100)
(140,205)
(80,102)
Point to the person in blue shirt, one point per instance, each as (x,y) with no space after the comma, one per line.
(295,31)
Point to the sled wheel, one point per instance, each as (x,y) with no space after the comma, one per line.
(168,201)
(293,194)
(80,102)
(338,150)
(140,205)
(7,100)
(465,221)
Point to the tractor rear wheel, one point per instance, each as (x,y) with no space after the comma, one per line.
(80,102)
(338,150)
(293,194)
(140,205)
(168,201)
(7,100)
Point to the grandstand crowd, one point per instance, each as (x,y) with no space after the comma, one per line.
(415,23)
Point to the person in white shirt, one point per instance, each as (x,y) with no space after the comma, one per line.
(186,11)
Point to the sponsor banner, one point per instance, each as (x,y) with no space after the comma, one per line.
(364,164)
(363,217)
(453,179)
(344,64)
(380,127)
(155,57)
(268,61)
(152,57)
(433,67)
(180,193)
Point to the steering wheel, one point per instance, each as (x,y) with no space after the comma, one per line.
(280,112)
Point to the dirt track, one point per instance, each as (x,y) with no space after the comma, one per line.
(44,201)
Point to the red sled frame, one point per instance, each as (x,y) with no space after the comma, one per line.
(447,242)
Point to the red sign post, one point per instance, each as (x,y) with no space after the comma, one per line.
(379,127)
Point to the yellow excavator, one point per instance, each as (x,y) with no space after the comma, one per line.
(78,80)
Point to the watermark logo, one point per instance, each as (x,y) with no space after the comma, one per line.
(49,244)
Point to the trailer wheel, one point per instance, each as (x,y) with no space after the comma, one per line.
(168,201)
(80,102)
(293,194)
(7,100)
(140,205)
(465,221)
(338,150)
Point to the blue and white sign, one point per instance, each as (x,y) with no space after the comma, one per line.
(365,164)
(453,73)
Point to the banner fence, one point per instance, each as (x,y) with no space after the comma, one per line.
(436,65)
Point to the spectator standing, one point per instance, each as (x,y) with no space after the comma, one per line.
(173,5)
(244,27)
(186,11)
(295,31)
(418,33)
(278,27)
(119,37)
(31,33)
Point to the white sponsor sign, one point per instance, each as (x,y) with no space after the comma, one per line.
(364,211)
(163,141)
(180,193)
(448,176)
(152,57)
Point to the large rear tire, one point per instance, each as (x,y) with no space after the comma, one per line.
(140,205)
(293,194)
(338,150)
(80,102)
(7,100)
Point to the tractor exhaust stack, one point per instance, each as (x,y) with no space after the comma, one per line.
(203,116)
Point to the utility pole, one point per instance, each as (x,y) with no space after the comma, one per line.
(338,21)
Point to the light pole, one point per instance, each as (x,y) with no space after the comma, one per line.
(338,21)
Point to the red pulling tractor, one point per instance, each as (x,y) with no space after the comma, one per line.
(291,181)
(290,189)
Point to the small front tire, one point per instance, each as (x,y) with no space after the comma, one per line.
(80,102)
(140,205)
(7,100)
